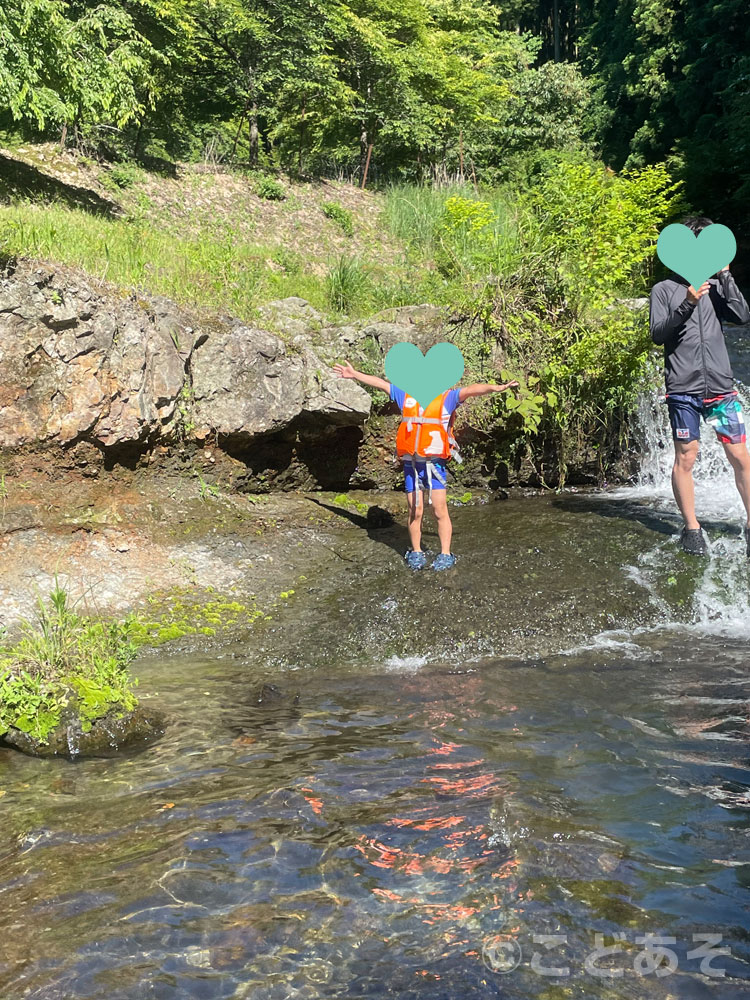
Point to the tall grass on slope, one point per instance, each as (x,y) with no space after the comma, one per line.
(443,224)
(218,272)
(224,274)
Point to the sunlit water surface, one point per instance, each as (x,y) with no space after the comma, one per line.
(418,826)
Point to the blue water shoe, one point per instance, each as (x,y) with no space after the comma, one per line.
(415,560)
(444,561)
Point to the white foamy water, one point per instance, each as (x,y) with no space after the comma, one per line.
(405,664)
(617,642)
(716,495)
(720,598)
(716,599)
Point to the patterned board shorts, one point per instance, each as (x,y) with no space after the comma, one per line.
(723,413)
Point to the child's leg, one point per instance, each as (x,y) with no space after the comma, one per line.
(444,526)
(416,509)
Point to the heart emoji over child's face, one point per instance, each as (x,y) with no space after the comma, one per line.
(424,376)
(696,258)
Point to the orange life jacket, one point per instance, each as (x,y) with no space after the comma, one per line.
(426,434)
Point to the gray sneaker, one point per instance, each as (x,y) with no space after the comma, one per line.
(693,542)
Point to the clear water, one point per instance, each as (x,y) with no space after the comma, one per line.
(382,837)
(426,813)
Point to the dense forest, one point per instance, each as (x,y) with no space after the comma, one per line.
(445,89)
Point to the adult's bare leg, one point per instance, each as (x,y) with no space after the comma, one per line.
(683,487)
(739,459)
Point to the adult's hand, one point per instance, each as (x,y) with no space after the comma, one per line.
(695,296)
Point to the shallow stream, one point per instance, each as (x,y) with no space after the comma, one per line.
(461,785)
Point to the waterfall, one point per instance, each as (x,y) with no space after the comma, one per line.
(716,495)
(720,599)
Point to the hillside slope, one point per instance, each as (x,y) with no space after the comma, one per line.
(228,240)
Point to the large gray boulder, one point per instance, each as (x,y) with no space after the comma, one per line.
(245,382)
(82,363)
(248,382)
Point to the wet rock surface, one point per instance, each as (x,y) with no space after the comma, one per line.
(290,559)
(108,735)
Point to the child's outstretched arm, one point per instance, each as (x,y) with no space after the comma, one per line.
(483,389)
(346,371)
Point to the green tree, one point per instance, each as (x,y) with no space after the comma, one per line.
(671,78)
(73,65)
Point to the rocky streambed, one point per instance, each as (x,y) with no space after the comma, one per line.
(191,472)
(383,779)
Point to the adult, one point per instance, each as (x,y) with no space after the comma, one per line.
(699,381)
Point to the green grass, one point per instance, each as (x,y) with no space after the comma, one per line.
(340,215)
(218,271)
(348,283)
(62,656)
(418,215)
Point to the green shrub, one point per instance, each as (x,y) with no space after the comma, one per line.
(287,259)
(62,656)
(340,215)
(122,175)
(535,276)
(270,189)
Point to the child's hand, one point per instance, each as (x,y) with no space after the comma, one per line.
(344,371)
(506,385)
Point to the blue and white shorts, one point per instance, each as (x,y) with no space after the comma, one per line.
(439,475)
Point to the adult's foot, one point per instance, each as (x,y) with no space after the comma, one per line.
(415,560)
(693,542)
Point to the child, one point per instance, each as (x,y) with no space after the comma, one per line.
(424,444)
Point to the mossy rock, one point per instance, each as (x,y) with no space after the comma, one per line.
(107,736)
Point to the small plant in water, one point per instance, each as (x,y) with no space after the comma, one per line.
(61,659)
(344,500)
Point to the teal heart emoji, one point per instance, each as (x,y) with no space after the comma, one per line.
(696,258)
(424,376)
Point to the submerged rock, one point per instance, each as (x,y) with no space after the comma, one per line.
(107,736)
(271,696)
